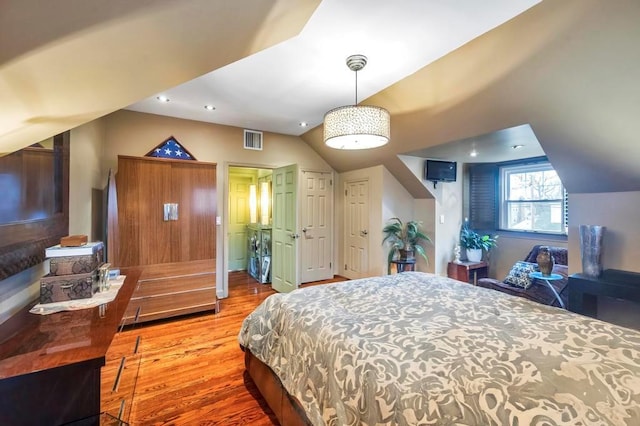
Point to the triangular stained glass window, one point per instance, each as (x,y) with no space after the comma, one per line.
(171,148)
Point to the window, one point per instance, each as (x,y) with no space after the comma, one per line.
(522,196)
(532,199)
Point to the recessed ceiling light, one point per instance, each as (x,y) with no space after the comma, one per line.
(162,98)
(303,124)
(209,107)
(473,153)
(517,146)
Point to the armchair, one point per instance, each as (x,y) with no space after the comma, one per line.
(538,292)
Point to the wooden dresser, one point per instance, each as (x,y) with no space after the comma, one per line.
(172,289)
(177,251)
(50,365)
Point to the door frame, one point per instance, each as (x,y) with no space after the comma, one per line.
(345,210)
(332,218)
(222,243)
(222,223)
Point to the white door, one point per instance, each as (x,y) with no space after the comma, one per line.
(316,219)
(284,240)
(238,219)
(357,229)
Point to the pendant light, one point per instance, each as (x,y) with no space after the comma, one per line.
(357,126)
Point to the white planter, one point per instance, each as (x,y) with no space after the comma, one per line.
(474,255)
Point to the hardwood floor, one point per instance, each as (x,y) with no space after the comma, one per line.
(191,370)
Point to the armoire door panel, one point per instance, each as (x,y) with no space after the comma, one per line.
(154,190)
(193,234)
(128,231)
(145,185)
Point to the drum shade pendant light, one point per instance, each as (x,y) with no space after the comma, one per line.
(356,126)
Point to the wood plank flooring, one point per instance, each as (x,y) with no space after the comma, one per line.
(191,370)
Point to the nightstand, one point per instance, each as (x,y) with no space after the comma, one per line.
(404,265)
(468,272)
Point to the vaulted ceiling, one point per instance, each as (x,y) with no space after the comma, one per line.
(67,62)
(566,68)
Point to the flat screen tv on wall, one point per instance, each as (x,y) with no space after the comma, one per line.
(440,171)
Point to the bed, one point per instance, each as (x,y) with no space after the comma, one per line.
(416,348)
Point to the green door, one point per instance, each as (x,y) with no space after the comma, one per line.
(239,182)
(285,238)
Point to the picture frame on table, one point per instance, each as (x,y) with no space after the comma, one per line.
(266,263)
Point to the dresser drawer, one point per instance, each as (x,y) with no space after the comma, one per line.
(169,305)
(168,285)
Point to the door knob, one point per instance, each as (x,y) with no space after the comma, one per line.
(364,233)
(304,230)
(294,236)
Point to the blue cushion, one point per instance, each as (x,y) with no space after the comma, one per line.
(519,274)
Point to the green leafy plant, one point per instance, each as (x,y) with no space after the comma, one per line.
(404,238)
(470,239)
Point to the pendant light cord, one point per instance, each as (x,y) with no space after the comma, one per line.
(356,88)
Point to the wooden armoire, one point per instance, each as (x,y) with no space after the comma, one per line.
(178,251)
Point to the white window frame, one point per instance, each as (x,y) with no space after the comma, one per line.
(505,203)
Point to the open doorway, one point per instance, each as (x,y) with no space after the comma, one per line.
(250,218)
(245,213)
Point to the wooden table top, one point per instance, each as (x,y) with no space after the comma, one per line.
(31,342)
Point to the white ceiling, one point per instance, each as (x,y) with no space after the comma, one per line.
(302,78)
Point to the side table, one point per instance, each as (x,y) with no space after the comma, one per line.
(546,278)
(468,272)
(584,291)
(404,265)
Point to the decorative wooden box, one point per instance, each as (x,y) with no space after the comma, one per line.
(70,265)
(73,240)
(75,260)
(68,287)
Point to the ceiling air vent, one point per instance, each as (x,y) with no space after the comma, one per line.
(253,140)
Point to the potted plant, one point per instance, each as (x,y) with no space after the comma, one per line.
(405,239)
(474,243)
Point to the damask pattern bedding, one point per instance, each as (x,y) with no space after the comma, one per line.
(419,349)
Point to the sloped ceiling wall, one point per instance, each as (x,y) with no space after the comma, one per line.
(569,68)
(66,62)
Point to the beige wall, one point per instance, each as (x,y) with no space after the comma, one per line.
(448,220)
(424,210)
(618,211)
(85,174)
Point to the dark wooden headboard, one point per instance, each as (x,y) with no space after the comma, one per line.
(35,204)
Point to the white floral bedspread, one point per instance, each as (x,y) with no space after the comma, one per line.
(419,349)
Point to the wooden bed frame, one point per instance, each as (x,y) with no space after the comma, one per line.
(286,408)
